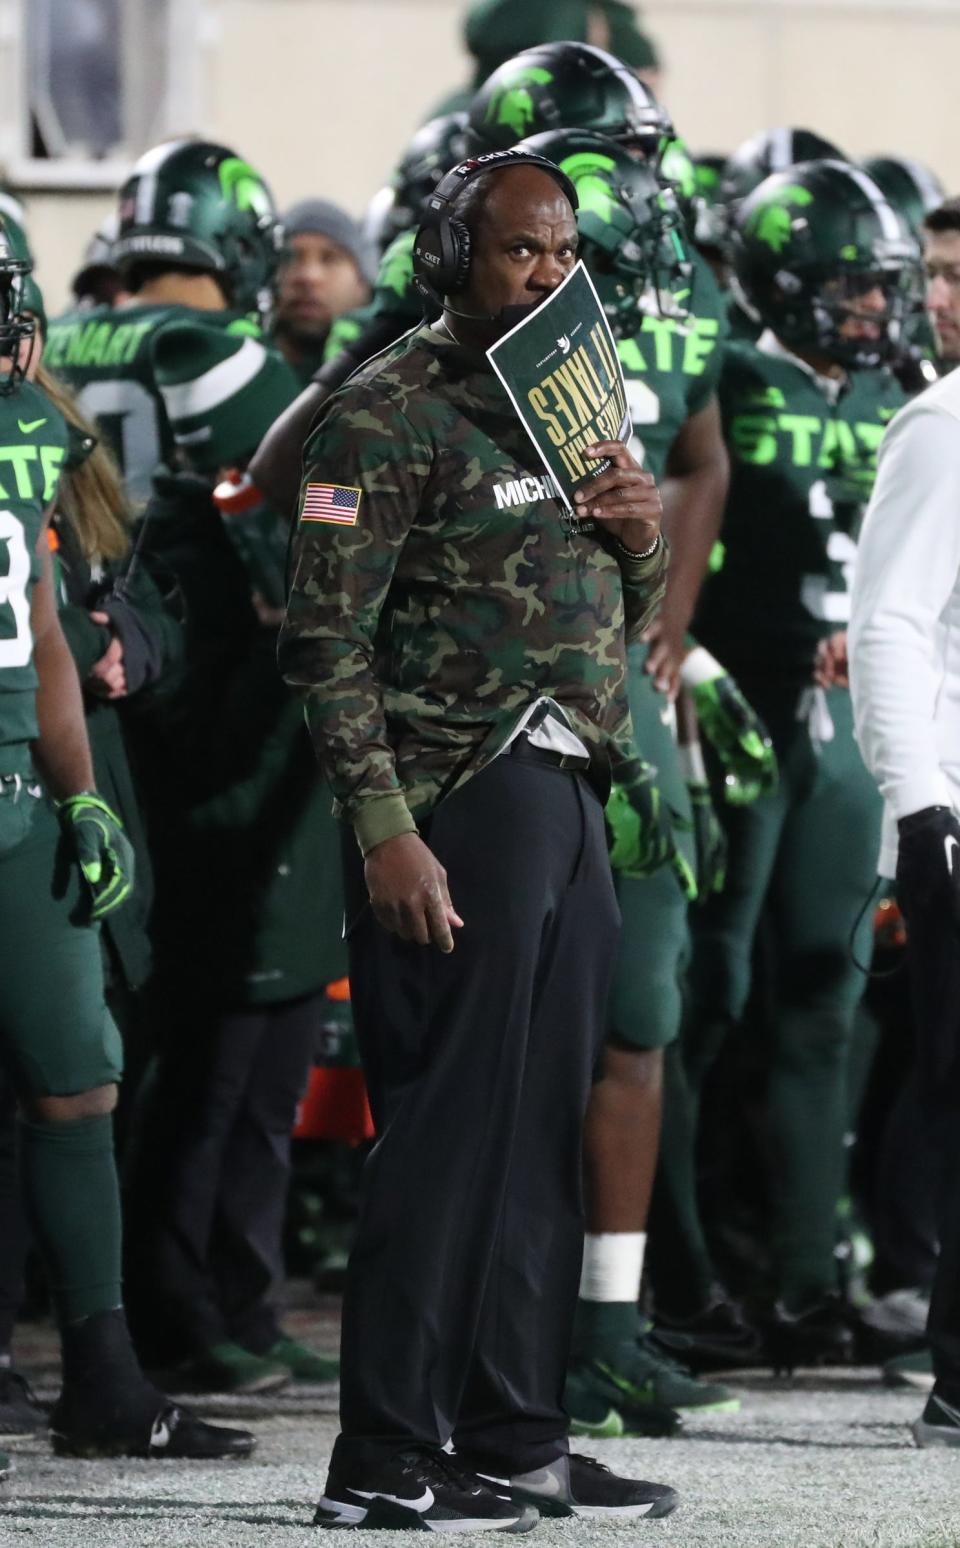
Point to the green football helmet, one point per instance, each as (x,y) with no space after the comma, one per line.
(809,246)
(566,86)
(192,205)
(436,147)
(630,226)
(16,265)
(913,189)
(772,150)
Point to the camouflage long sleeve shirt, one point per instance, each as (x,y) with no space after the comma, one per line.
(437,592)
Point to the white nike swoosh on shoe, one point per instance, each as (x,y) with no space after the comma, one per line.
(951,862)
(420,1505)
(160,1435)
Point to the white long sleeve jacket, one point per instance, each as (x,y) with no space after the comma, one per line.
(904,634)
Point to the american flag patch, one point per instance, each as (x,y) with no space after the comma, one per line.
(331,502)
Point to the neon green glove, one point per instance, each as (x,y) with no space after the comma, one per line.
(641,828)
(710,840)
(734,730)
(104,853)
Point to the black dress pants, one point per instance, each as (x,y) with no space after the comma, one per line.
(933,955)
(463,1280)
(207,1176)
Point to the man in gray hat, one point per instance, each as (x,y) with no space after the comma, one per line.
(328,268)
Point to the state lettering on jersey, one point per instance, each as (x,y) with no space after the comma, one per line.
(17,466)
(803,458)
(683,345)
(807,441)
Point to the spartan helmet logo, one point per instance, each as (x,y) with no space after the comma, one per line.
(241,185)
(512,104)
(771,222)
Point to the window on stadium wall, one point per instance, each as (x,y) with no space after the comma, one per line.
(93,83)
(97,76)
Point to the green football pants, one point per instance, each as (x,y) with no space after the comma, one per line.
(57,1037)
(807,856)
(645,1004)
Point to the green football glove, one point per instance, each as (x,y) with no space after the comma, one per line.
(641,829)
(104,853)
(710,840)
(735,731)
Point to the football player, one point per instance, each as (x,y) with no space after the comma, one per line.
(772,150)
(830,270)
(666,312)
(64,865)
(197,237)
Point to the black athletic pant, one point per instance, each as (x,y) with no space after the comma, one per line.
(462,1283)
(933,955)
(208,1176)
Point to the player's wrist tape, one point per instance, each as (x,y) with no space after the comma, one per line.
(700,667)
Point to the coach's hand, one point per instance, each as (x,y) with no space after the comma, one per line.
(408,892)
(624,498)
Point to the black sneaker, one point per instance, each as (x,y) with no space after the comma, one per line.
(938,1425)
(428,1491)
(716,1338)
(579,1486)
(20,1412)
(174,1433)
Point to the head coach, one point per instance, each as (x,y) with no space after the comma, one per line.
(461,653)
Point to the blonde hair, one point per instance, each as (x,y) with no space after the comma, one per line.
(90,496)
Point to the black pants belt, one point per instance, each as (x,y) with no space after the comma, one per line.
(521,747)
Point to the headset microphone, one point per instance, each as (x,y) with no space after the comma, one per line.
(510,315)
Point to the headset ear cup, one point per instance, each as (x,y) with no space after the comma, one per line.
(460,255)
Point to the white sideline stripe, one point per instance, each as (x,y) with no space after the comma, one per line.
(187,399)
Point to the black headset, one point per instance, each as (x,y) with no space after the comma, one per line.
(441,248)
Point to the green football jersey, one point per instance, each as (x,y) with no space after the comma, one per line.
(802,468)
(33,445)
(106,355)
(672,365)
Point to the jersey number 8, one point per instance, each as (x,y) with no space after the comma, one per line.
(16,646)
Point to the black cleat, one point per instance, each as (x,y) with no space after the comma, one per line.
(716,1338)
(422,1490)
(579,1486)
(20,1412)
(174,1434)
(818,1335)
